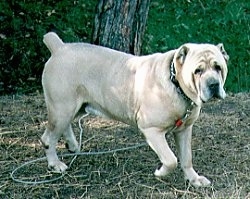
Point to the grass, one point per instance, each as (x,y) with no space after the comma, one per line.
(220,149)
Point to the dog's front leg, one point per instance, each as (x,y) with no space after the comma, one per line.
(183,142)
(157,141)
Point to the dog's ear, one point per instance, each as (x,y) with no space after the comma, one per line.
(223,52)
(182,53)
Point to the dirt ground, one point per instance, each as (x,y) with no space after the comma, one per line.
(221,151)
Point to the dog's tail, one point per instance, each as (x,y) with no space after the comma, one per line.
(52,41)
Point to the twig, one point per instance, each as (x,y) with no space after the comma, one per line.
(184,192)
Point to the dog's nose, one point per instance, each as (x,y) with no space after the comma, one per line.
(213,86)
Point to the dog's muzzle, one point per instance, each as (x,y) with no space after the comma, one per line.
(212,89)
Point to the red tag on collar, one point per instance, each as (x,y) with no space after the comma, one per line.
(178,122)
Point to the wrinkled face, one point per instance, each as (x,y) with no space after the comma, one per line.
(201,71)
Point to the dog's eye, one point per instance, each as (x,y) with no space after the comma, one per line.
(217,67)
(198,71)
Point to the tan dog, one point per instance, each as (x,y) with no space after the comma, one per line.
(157,93)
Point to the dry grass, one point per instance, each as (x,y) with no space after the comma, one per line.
(220,149)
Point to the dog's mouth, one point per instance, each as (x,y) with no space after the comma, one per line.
(202,100)
(211,89)
(212,95)
(210,100)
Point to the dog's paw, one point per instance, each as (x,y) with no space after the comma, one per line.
(72,148)
(58,167)
(162,171)
(200,181)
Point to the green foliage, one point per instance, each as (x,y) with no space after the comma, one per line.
(170,24)
(23,24)
(173,23)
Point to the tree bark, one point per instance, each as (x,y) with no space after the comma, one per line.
(120,24)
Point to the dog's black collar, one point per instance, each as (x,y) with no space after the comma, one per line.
(180,121)
(176,83)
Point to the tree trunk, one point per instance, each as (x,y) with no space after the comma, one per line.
(120,24)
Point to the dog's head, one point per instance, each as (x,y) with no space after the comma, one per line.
(201,70)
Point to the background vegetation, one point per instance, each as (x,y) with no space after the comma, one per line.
(170,24)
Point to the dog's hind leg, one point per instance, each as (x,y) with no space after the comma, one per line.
(71,143)
(60,115)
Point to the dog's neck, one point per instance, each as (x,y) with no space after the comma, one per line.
(180,121)
(176,83)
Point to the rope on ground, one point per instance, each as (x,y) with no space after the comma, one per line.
(16,179)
